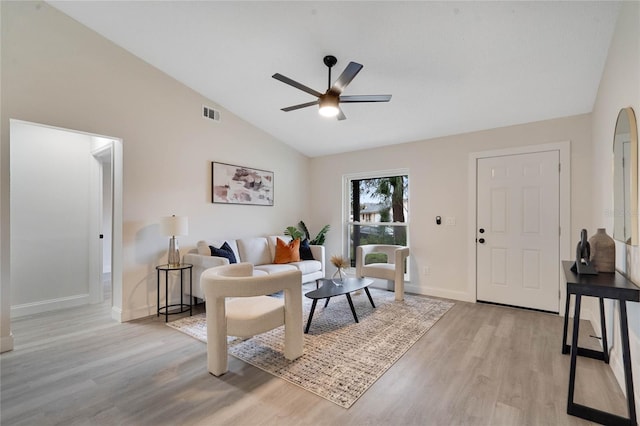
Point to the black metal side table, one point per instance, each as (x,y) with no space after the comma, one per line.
(604,286)
(182,307)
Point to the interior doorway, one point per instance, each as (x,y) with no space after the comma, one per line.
(66,219)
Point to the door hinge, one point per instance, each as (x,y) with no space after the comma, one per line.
(559,167)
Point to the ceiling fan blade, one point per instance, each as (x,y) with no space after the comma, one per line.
(294,107)
(297,85)
(345,78)
(341,115)
(365,98)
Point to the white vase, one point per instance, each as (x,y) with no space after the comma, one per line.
(603,251)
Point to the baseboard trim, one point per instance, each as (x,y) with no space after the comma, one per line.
(425,291)
(6,343)
(462,296)
(49,305)
(133,314)
(383,284)
(116,313)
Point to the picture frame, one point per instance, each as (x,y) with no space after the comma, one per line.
(231,184)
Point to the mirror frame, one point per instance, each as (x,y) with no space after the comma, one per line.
(621,210)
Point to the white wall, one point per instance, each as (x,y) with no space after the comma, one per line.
(50,218)
(438,186)
(59,73)
(619,88)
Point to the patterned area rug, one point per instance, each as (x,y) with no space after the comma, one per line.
(341,359)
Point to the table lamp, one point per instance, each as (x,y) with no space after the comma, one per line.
(173,226)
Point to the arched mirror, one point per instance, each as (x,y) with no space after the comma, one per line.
(625,178)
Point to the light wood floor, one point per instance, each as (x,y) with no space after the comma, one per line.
(479,365)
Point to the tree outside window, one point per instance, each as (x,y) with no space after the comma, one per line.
(378,212)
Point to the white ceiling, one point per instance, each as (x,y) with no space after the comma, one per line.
(452,67)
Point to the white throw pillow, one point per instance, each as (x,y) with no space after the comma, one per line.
(254,250)
(203,248)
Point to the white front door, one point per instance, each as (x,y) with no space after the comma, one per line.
(518,220)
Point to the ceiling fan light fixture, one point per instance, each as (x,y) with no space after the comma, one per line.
(329,106)
(329,102)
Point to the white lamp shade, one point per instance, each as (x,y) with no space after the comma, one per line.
(173,226)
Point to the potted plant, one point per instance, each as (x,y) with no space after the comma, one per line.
(301,232)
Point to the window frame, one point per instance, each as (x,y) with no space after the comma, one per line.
(346,206)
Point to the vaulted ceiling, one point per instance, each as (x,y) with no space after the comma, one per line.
(452,67)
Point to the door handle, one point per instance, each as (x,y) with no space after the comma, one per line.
(481,240)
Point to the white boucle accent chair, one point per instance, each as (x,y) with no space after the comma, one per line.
(392,270)
(238,305)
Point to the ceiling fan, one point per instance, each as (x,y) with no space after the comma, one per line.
(330,100)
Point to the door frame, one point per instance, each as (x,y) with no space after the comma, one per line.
(102,157)
(564,150)
(116,152)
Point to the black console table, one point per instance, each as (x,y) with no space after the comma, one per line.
(603,286)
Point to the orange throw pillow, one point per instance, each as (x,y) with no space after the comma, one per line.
(287,253)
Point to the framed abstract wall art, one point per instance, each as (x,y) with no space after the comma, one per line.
(241,185)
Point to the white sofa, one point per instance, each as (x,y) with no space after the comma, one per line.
(259,251)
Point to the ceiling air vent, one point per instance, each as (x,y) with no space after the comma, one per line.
(210,113)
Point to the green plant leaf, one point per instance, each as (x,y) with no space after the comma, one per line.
(304,229)
(301,232)
(293,232)
(319,239)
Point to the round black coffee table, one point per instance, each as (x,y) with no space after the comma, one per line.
(329,289)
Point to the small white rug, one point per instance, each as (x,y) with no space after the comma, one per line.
(341,359)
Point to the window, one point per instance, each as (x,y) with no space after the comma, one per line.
(377,207)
